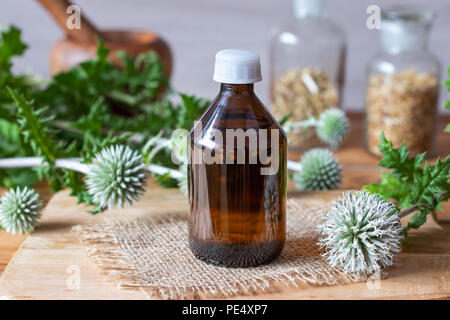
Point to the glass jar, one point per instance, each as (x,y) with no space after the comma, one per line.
(403,83)
(307,69)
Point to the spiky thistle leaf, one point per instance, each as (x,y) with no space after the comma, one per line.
(116,177)
(20,210)
(34,127)
(36,132)
(362,232)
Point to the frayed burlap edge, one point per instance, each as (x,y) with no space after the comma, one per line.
(120,248)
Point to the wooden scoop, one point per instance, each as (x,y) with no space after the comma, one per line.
(79,44)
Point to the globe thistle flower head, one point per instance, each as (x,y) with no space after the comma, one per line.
(20,210)
(332,127)
(320,170)
(362,233)
(116,177)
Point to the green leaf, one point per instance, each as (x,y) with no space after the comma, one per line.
(35,133)
(33,127)
(91,106)
(412,181)
(447,103)
(190,110)
(102,51)
(418,220)
(11,45)
(166,181)
(391,187)
(284,119)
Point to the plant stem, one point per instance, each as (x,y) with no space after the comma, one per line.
(408,211)
(73,164)
(29,162)
(163,170)
(70,164)
(165,143)
(415,207)
(161,144)
(294,166)
(304,124)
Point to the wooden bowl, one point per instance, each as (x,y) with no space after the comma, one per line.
(68,52)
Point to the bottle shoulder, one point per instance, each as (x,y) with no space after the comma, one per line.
(242,111)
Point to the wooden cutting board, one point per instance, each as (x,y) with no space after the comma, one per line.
(51,260)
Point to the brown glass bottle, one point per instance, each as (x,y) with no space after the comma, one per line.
(237,215)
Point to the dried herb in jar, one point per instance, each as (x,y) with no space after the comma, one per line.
(403,106)
(303,93)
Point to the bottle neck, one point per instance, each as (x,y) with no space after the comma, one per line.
(303,9)
(236,88)
(400,36)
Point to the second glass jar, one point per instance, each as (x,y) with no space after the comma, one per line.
(403,83)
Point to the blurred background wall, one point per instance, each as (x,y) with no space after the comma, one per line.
(197,29)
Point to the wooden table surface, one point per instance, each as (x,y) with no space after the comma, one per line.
(359,168)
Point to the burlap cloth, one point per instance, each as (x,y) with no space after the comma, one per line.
(153,255)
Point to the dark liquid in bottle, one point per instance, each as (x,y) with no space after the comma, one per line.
(237,215)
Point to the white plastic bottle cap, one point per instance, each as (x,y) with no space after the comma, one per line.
(237,66)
